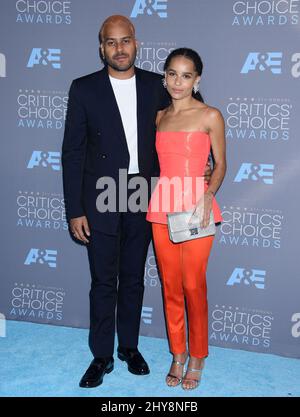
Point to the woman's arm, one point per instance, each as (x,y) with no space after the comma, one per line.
(216,128)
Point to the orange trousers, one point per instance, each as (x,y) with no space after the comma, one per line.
(182,269)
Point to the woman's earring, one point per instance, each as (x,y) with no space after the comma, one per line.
(196,88)
(164,82)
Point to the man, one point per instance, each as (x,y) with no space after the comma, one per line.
(110,125)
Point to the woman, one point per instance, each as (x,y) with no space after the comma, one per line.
(187,131)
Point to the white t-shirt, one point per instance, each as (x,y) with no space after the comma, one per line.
(125,93)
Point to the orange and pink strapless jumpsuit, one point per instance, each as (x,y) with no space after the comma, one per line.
(182,266)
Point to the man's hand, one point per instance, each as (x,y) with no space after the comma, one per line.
(207,172)
(79,226)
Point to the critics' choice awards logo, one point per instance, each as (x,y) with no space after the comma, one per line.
(41,257)
(258,119)
(41,109)
(41,210)
(151,277)
(240,326)
(263,61)
(251,227)
(265,12)
(151,56)
(147,313)
(43,159)
(2,66)
(45,57)
(248,277)
(34,301)
(249,171)
(296,327)
(43,12)
(150,8)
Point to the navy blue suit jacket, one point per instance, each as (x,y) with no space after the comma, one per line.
(95,145)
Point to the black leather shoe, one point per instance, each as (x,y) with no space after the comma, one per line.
(135,361)
(95,373)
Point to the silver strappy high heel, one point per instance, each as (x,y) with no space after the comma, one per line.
(179,380)
(194,380)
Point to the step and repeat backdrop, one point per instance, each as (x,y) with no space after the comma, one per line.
(251,55)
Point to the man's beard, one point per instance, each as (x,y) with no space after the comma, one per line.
(120,67)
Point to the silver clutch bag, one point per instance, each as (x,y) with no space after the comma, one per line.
(184,226)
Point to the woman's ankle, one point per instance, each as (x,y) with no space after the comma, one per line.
(180,356)
(195,362)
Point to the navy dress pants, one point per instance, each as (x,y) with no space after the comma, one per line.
(117,265)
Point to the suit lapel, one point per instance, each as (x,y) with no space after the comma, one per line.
(110,114)
(142,94)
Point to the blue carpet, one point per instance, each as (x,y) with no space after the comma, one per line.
(43,360)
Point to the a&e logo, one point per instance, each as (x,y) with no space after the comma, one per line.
(2,325)
(41,256)
(296,326)
(40,56)
(45,159)
(255,172)
(248,277)
(263,61)
(2,66)
(147,315)
(150,7)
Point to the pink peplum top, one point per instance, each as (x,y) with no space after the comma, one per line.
(182,158)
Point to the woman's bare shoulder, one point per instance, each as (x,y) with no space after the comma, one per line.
(159,116)
(213,112)
(211,115)
(206,109)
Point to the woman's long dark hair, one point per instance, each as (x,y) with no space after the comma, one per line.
(193,56)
